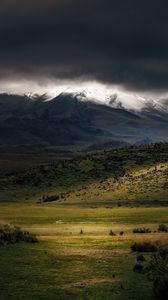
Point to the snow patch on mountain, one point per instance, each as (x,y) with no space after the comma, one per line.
(122,100)
(111,97)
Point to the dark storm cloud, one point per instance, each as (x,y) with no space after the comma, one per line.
(123,42)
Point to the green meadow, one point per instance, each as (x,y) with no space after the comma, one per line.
(72,207)
(66,264)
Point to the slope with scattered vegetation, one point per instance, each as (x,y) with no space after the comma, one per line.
(108,177)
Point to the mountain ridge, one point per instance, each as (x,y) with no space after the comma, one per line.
(75,119)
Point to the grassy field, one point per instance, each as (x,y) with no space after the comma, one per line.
(68,265)
(116,190)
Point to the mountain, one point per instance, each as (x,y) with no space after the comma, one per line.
(80,119)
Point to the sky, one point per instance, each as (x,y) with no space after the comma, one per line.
(48,45)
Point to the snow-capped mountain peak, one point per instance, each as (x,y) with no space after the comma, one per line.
(112,98)
(121,100)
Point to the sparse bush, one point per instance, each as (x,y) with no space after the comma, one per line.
(138,268)
(121,286)
(29,237)
(112,233)
(141,230)
(163,228)
(50,198)
(144,247)
(141,258)
(10,234)
(158,273)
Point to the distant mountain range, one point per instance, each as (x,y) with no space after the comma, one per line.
(81,119)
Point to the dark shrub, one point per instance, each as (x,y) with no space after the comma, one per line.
(144,247)
(29,237)
(158,273)
(142,230)
(10,234)
(50,198)
(140,257)
(163,228)
(81,232)
(122,233)
(138,268)
(112,233)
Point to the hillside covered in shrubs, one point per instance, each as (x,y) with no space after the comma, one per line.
(117,176)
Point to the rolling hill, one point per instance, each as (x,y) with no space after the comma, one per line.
(137,175)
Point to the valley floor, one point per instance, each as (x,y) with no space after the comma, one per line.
(76,258)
